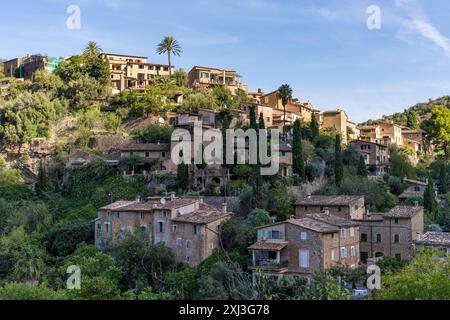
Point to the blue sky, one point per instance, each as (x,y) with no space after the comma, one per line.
(323,49)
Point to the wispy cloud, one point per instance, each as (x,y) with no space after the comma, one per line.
(418,23)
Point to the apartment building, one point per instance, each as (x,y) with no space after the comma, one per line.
(339,120)
(268,112)
(286,160)
(370,132)
(207,77)
(294,107)
(391,132)
(345,207)
(391,234)
(133,72)
(26,67)
(375,155)
(438,242)
(189,227)
(301,247)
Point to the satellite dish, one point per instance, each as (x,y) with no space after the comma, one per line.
(163,201)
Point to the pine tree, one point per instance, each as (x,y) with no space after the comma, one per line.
(443,179)
(297,151)
(338,162)
(314,126)
(429,199)
(362,169)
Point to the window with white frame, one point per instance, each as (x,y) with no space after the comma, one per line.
(211,245)
(342,232)
(179,242)
(352,232)
(188,244)
(333,255)
(353,251)
(304,259)
(303,236)
(343,252)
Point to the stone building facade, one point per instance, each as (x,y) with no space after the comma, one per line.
(346,207)
(301,247)
(189,227)
(391,234)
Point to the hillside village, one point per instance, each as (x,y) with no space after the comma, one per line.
(86,178)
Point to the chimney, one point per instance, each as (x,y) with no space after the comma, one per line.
(172,195)
(416,204)
(200,200)
(224,208)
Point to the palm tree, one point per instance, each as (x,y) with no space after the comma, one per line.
(92,49)
(285,92)
(170,46)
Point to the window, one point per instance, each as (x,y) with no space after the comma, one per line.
(204,74)
(141,216)
(342,232)
(352,251)
(378,237)
(306,209)
(147,154)
(179,242)
(339,208)
(275,234)
(211,245)
(333,255)
(343,252)
(188,259)
(398,256)
(188,244)
(396,238)
(304,259)
(303,236)
(163,154)
(352,232)
(160,227)
(174,228)
(118,215)
(195,229)
(363,237)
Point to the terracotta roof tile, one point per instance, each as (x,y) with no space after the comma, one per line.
(435,239)
(329,200)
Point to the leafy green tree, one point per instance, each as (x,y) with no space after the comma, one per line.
(92,49)
(170,46)
(425,271)
(113,123)
(25,292)
(211,289)
(154,133)
(325,287)
(439,128)
(285,92)
(282,201)
(297,151)
(259,217)
(412,120)
(64,237)
(42,184)
(362,168)
(401,167)
(338,162)
(395,185)
(314,126)
(180,77)
(223,97)
(193,102)
(83,91)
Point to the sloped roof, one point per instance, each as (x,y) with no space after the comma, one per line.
(328,200)
(403,212)
(333,220)
(435,239)
(268,245)
(146,147)
(314,225)
(206,214)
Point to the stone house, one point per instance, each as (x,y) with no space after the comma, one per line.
(301,247)
(142,158)
(438,242)
(415,190)
(391,234)
(346,207)
(376,156)
(189,227)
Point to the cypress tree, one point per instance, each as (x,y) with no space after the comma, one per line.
(42,182)
(225,127)
(183,176)
(443,179)
(338,162)
(362,169)
(314,126)
(253,123)
(429,199)
(262,124)
(297,151)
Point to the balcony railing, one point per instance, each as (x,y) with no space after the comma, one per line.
(269,263)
